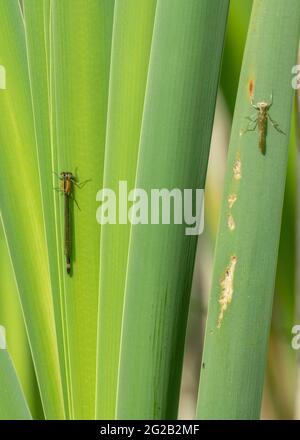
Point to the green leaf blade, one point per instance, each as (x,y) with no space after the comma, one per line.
(80,58)
(22,213)
(174,147)
(36,18)
(132,36)
(12,402)
(234,358)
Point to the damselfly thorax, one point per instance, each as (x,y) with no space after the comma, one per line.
(67,181)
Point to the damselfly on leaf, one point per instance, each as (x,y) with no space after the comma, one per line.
(67,189)
(260,120)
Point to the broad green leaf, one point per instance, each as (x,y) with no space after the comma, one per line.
(241,298)
(21,208)
(80,43)
(132,36)
(35,15)
(175,137)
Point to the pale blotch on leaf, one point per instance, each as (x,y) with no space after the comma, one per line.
(226,284)
(237,169)
(231,222)
(231,200)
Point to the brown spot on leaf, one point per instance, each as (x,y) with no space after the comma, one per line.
(251,88)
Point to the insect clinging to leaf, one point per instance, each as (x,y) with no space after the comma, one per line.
(67,189)
(260,119)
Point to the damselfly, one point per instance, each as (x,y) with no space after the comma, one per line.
(260,119)
(67,189)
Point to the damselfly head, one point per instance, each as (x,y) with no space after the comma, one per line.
(66,175)
(263,106)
